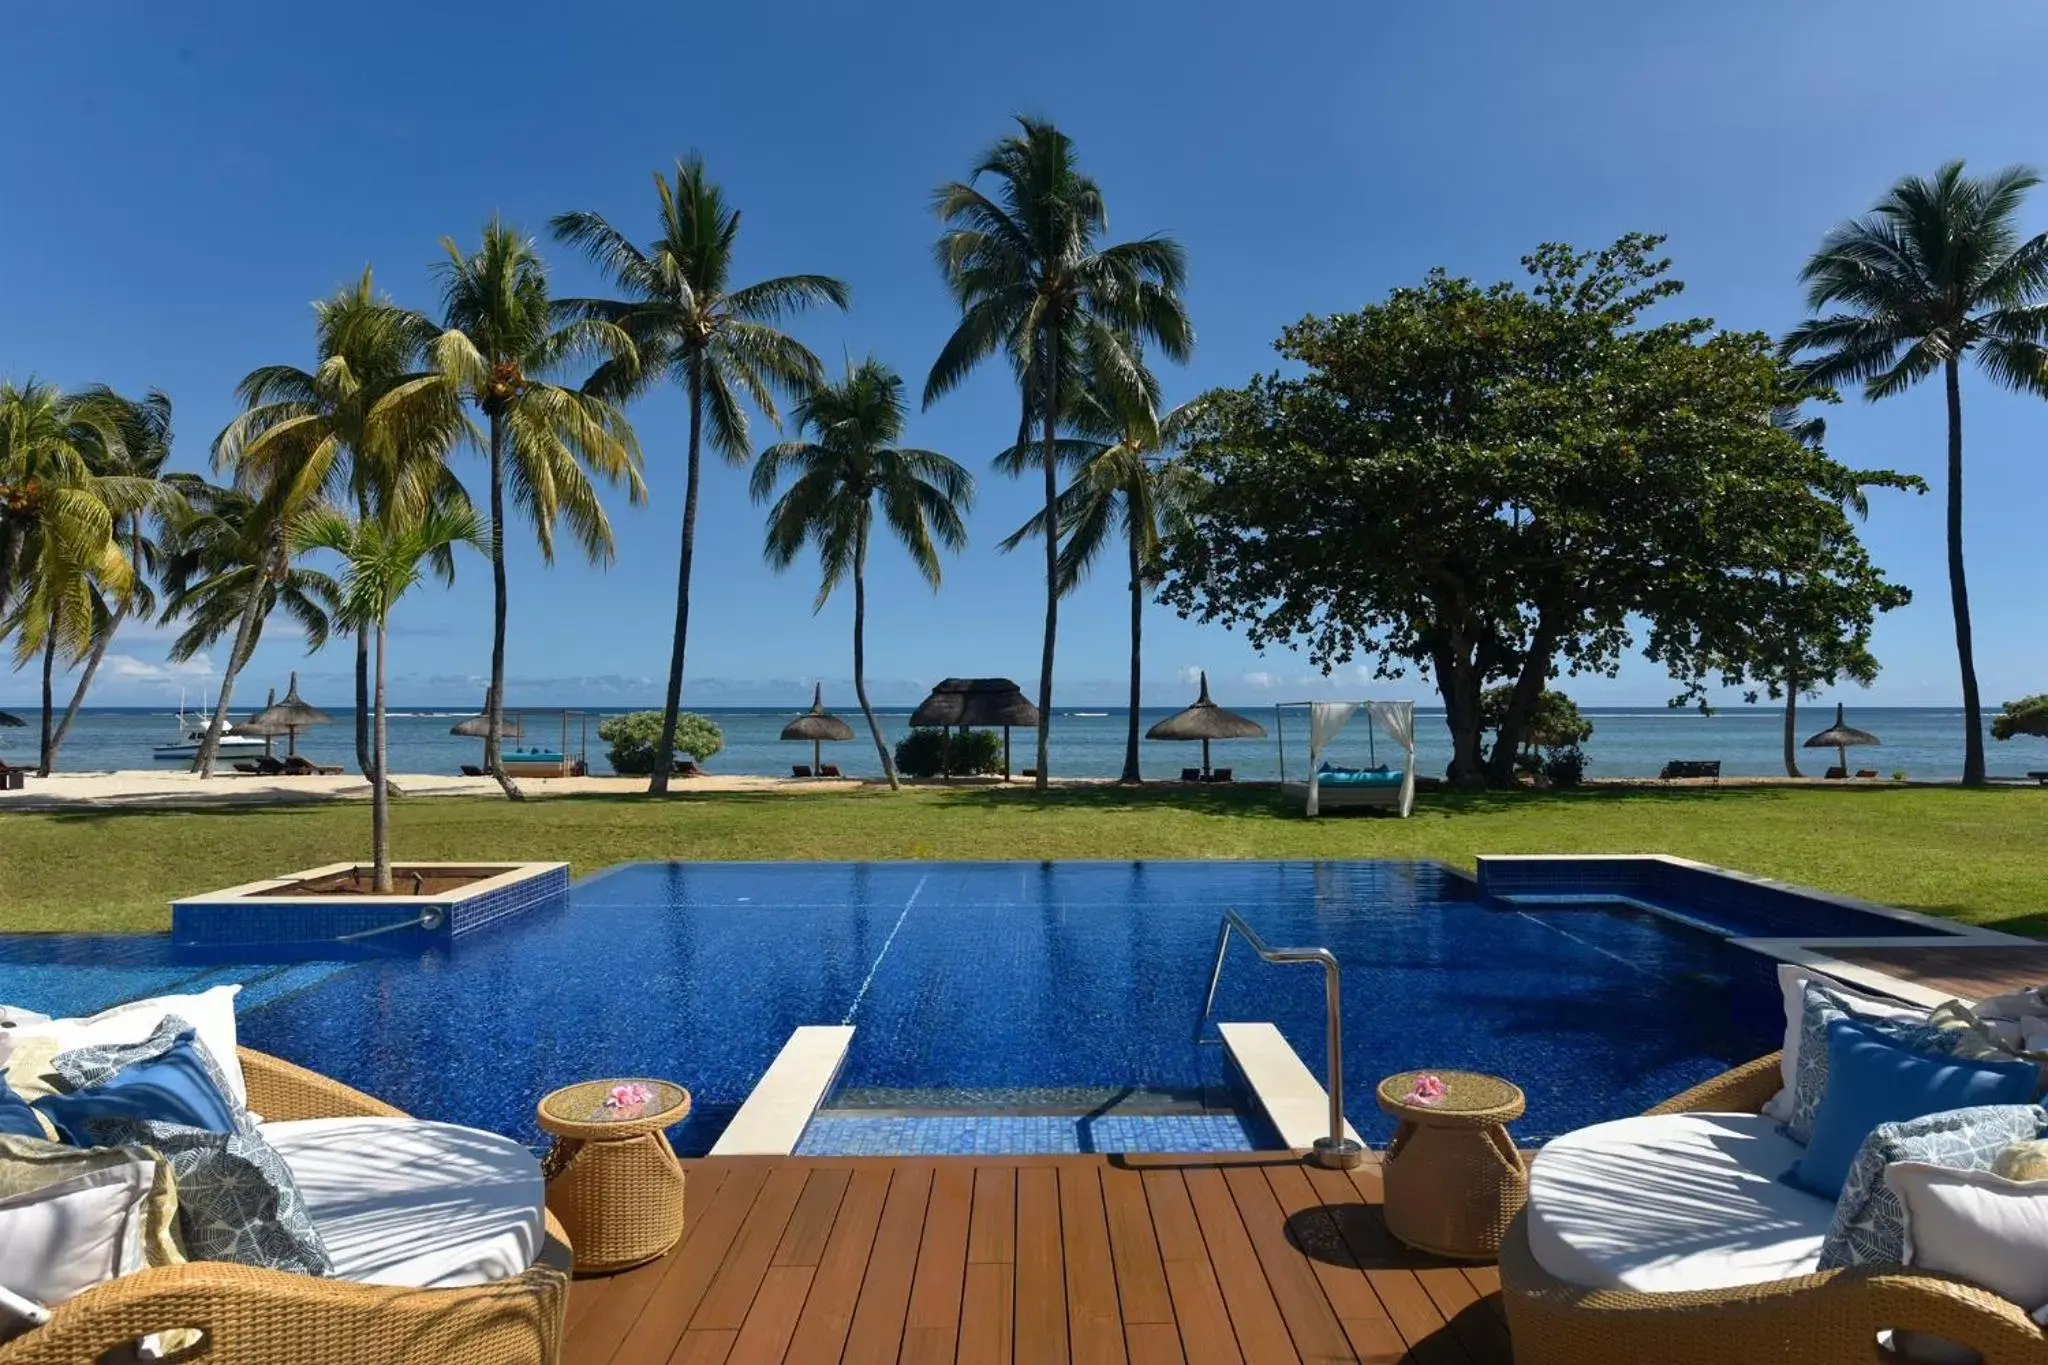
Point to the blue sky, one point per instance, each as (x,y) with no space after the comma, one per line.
(184,180)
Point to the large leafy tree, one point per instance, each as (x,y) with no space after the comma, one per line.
(372,424)
(1025,262)
(718,341)
(849,468)
(382,559)
(1936,272)
(1500,485)
(544,439)
(1124,481)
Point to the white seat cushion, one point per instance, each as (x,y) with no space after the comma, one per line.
(1672,1202)
(407,1202)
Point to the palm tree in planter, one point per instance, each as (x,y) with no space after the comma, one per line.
(850,467)
(1935,272)
(383,558)
(1124,482)
(1026,266)
(717,340)
(545,440)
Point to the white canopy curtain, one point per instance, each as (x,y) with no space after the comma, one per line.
(1327,718)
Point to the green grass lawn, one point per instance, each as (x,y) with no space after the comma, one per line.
(1978,856)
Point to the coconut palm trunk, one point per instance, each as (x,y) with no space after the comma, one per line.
(1131,773)
(362,716)
(665,752)
(1791,725)
(1958,586)
(380,799)
(48,754)
(494,735)
(92,667)
(860,654)
(245,636)
(1052,566)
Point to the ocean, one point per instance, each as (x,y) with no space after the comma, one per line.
(1925,743)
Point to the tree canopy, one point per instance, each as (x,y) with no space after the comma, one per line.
(2027,716)
(1505,483)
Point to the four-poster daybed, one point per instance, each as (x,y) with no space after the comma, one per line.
(1381,786)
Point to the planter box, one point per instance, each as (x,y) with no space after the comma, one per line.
(454,899)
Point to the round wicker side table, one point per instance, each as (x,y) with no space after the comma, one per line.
(1453,1180)
(612,1179)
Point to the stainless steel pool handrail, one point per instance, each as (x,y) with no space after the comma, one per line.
(1337,1150)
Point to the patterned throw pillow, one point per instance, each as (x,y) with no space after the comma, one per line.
(1823,1007)
(237,1200)
(84,1067)
(1870,1222)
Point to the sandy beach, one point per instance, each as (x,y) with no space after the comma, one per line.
(145,787)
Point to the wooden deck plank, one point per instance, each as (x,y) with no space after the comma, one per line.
(803,1241)
(1972,973)
(931,1327)
(1205,1331)
(1261,1330)
(1483,1335)
(1313,1231)
(647,1313)
(992,1235)
(1353,1200)
(877,1332)
(1173,1217)
(835,1291)
(771,1322)
(1095,1331)
(1041,1298)
(1486,1283)
(703,1348)
(732,1290)
(1134,1246)
(1153,1343)
(987,1313)
(585,1294)
(1313,1324)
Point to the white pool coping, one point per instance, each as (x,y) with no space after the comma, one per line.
(509,872)
(1294,1100)
(776,1112)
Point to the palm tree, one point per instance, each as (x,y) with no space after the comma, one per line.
(852,466)
(227,566)
(720,343)
(382,558)
(1031,281)
(499,346)
(372,422)
(146,442)
(64,492)
(1120,480)
(1936,271)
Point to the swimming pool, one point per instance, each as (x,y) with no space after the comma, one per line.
(970,980)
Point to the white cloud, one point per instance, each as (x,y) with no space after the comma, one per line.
(1190,674)
(199,668)
(1260,679)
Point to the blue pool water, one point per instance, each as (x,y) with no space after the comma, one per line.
(981,976)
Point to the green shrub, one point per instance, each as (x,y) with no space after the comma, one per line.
(1565,765)
(633,739)
(927,753)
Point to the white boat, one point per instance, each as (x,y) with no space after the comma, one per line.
(192,733)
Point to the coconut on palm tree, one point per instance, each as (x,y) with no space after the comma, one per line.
(1122,480)
(1025,264)
(851,467)
(718,341)
(500,348)
(382,558)
(1936,272)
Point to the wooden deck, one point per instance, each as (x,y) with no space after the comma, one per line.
(1972,972)
(1232,1258)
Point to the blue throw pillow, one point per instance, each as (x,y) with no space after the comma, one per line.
(15,1114)
(1873,1080)
(166,1078)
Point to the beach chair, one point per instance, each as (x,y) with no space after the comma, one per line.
(471,770)
(1866,772)
(1836,774)
(1691,767)
(829,770)
(1191,774)
(1222,775)
(687,768)
(11,777)
(2041,777)
(297,766)
(799,770)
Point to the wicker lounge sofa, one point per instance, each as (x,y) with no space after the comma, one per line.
(262,1317)
(1812,1319)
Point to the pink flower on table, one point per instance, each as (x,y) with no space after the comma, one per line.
(628,1096)
(1427,1090)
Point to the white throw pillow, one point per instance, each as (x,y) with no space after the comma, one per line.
(211,1014)
(1792,979)
(1978,1227)
(64,1238)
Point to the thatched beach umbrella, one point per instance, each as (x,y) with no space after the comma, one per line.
(288,717)
(478,726)
(1841,738)
(817,725)
(1206,721)
(986,702)
(267,729)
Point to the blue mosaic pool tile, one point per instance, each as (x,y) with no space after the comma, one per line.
(230,923)
(1012,1135)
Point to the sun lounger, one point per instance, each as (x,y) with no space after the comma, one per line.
(1836,775)
(1866,772)
(2041,777)
(11,777)
(295,766)
(471,770)
(1691,767)
(799,770)
(829,770)
(1222,775)
(1191,774)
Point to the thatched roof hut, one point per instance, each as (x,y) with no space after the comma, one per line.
(1841,738)
(984,702)
(1206,721)
(819,726)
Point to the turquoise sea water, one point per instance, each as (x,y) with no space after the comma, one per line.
(1925,743)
